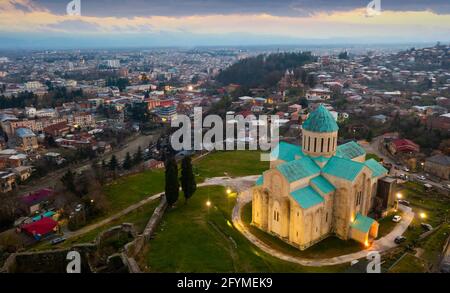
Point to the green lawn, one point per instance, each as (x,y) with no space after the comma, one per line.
(195,238)
(434,244)
(230,163)
(131,189)
(386,224)
(409,264)
(329,247)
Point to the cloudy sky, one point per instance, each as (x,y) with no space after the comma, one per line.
(119,23)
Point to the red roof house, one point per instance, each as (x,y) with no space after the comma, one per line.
(403,146)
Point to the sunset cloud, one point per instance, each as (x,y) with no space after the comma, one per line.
(26,16)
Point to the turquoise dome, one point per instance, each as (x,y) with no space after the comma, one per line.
(320,120)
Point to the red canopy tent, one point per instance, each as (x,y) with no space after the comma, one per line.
(41,227)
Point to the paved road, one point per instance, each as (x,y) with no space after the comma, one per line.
(383,244)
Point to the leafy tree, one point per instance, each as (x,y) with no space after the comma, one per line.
(127,163)
(187,179)
(172,185)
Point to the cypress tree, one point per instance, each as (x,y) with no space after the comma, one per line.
(187,179)
(172,185)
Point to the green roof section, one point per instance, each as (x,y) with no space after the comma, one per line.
(362,223)
(376,168)
(320,120)
(307,197)
(350,150)
(322,184)
(298,169)
(260,180)
(343,168)
(286,152)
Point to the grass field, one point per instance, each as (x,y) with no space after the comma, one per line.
(409,264)
(131,189)
(230,163)
(195,238)
(386,224)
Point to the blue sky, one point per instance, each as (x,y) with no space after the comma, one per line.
(130,23)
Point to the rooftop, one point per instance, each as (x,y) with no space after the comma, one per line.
(362,223)
(320,120)
(307,197)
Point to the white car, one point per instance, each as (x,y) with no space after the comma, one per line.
(421,177)
(396,219)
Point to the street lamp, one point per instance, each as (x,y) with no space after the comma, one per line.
(228,191)
(399,195)
(423,215)
(208,203)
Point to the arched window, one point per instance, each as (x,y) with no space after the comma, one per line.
(315,144)
(321,145)
(309,143)
(329,142)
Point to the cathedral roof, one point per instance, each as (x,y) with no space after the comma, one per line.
(350,150)
(298,169)
(343,168)
(320,120)
(307,197)
(286,152)
(322,184)
(376,168)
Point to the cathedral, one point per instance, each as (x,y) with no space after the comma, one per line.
(317,189)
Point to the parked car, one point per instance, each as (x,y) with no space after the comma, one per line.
(406,169)
(78,207)
(57,240)
(403,176)
(426,226)
(399,239)
(396,219)
(404,202)
(421,177)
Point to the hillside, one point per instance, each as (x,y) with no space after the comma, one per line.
(262,70)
